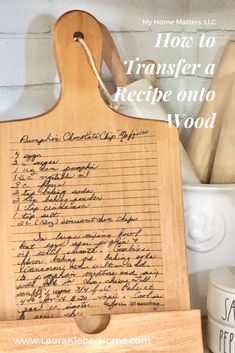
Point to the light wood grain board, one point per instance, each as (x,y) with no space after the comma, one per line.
(175,332)
(90,202)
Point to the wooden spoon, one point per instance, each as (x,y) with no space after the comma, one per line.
(224,165)
(202,144)
(152,78)
(112,59)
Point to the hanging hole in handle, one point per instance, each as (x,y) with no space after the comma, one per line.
(78,35)
(92,324)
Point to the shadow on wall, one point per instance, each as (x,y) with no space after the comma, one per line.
(198,297)
(34,99)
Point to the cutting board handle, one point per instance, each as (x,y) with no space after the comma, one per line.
(78,81)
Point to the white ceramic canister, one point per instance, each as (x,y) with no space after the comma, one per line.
(210,235)
(221,296)
(220,338)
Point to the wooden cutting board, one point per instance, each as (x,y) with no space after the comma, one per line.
(90,201)
(202,144)
(171,332)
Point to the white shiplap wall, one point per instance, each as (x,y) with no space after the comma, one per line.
(29,83)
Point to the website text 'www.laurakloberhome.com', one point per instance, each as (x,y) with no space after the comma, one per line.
(73,340)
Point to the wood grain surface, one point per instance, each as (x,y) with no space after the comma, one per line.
(90,201)
(113,60)
(223,171)
(174,332)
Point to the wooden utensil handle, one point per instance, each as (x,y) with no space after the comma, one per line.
(151,77)
(202,144)
(224,164)
(112,59)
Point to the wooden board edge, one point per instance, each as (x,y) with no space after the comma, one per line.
(173,332)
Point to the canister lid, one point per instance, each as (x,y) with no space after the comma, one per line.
(223,278)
